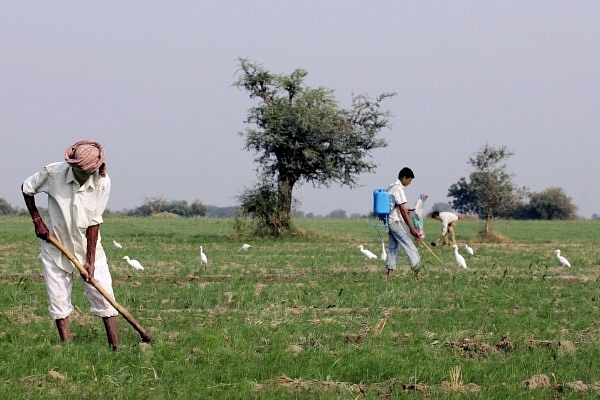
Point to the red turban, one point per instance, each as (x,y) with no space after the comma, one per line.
(87,156)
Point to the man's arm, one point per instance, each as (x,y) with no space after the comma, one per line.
(90,257)
(408,220)
(41,230)
(444,226)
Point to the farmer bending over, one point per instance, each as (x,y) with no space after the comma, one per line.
(449,221)
(78,190)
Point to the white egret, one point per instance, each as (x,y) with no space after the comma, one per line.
(134,263)
(469,249)
(383,252)
(368,255)
(203,259)
(244,247)
(117,244)
(564,262)
(460,260)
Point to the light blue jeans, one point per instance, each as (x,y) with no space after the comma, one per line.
(398,237)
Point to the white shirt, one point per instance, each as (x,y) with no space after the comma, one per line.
(72,208)
(447,217)
(397,197)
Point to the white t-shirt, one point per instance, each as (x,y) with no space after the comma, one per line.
(397,197)
(447,218)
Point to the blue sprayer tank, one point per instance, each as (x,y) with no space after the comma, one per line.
(381,204)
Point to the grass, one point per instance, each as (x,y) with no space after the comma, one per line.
(307,317)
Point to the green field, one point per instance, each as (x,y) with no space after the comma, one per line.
(308,318)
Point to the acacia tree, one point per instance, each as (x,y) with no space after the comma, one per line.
(300,134)
(490,191)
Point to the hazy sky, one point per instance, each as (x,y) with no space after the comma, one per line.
(152,81)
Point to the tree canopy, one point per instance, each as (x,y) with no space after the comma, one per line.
(552,203)
(301,134)
(490,190)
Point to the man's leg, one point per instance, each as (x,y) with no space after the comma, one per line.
(100,306)
(64,329)
(451,233)
(445,237)
(392,250)
(110,324)
(409,247)
(390,273)
(59,285)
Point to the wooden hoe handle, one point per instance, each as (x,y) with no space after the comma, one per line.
(143,333)
(431,251)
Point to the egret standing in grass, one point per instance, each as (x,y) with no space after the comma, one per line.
(368,255)
(134,263)
(244,247)
(203,258)
(460,260)
(469,249)
(383,252)
(563,261)
(117,244)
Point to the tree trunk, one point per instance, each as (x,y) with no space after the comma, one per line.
(488,221)
(285,204)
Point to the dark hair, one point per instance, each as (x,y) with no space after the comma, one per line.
(435,214)
(406,172)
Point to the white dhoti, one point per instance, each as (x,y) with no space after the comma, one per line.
(59,284)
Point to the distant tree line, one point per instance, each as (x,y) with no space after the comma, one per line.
(151,207)
(159,205)
(7,209)
(550,204)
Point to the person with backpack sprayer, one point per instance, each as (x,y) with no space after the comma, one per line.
(400,224)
